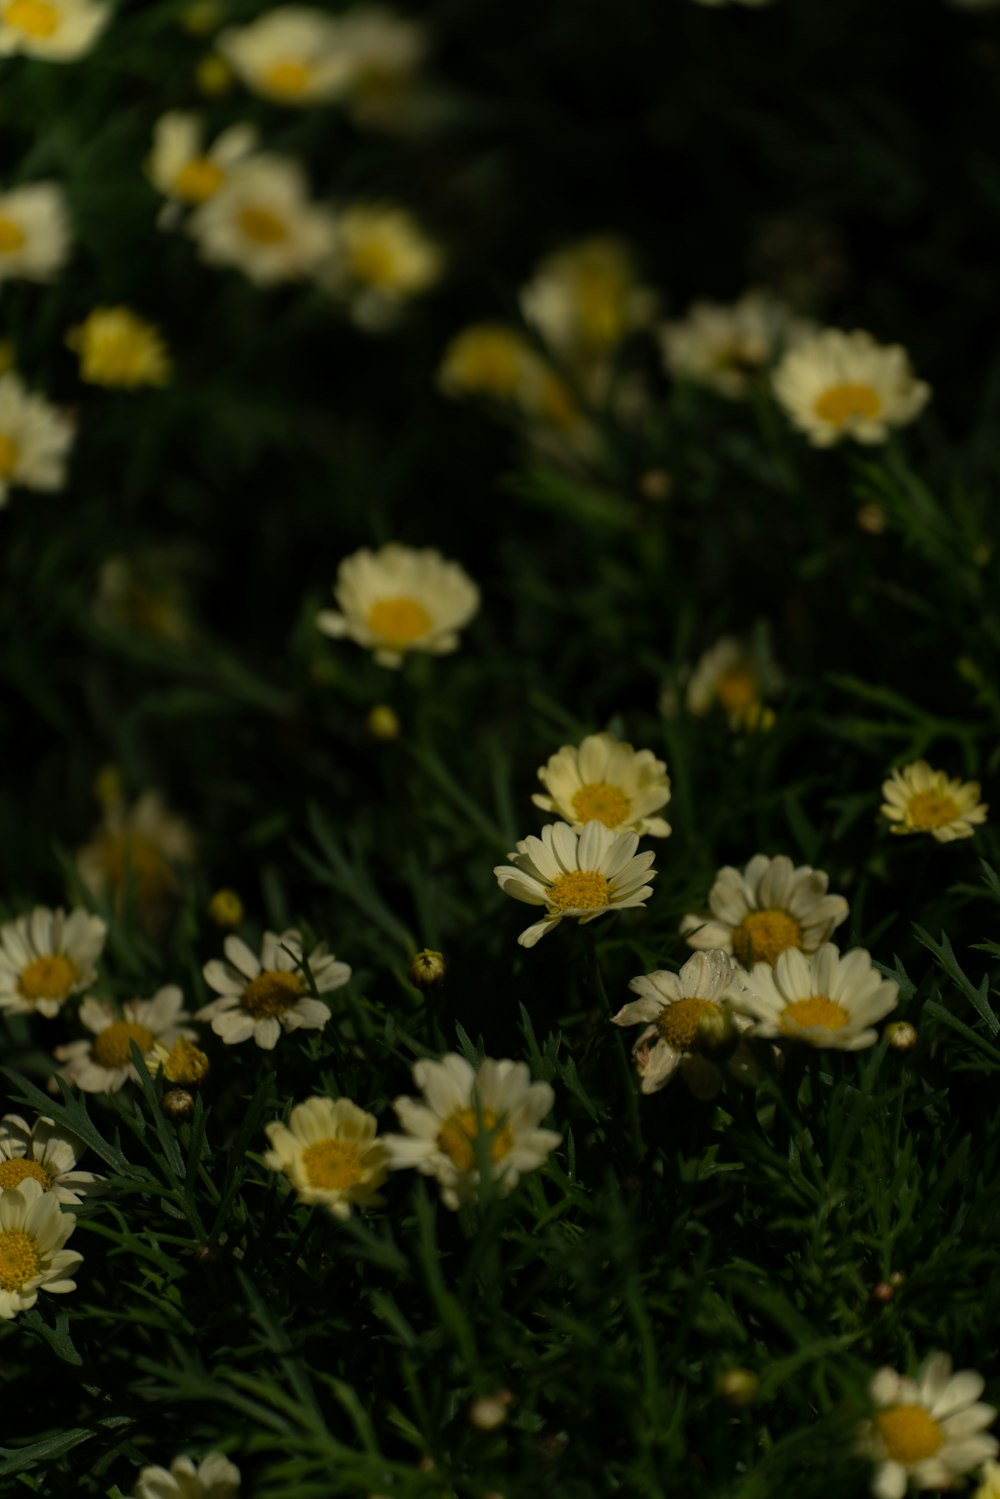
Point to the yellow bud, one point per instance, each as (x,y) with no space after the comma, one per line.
(213,75)
(383,723)
(427,969)
(225,908)
(490,1411)
(737,1386)
(202,17)
(901,1035)
(185,1064)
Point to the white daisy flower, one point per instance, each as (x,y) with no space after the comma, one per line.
(381,259)
(767,908)
(35,439)
(921,800)
(726,346)
(828,999)
(181,167)
(583,875)
(329,1153)
(46,1153)
(47,956)
(263,222)
(606,780)
(33,1230)
(54,30)
(739,678)
(34,232)
(928,1431)
(214,1477)
(585,298)
(400,599)
(292,55)
(103,1063)
(835,385)
(262,996)
(497,1100)
(685,1012)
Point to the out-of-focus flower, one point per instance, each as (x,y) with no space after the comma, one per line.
(214,1477)
(261,997)
(490,360)
(47,956)
(928,1431)
(225,908)
(400,599)
(35,439)
(739,678)
(834,385)
(144,595)
(263,222)
(134,851)
(34,232)
(585,298)
(213,75)
(770,906)
(118,348)
(606,780)
(827,1000)
(52,30)
(921,800)
(183,170)
(330,1154)
(727,346)
(103,1063)
(292,55)
(381,259)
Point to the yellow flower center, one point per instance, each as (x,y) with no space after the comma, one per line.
(36,18)
(374,263)
(288,77)
(763,936)
(16,1170)
(11,236)
(48,978)
(272,993)
(932,809)
(579,890)
(333,1165)
(262,226)
(8,456)
(113,1047)
(737,689)
(198,180)
(678,1023)
(817,1010)
(600,802)
(910,1433)
(399,621)
(461,1128)
(19,1260)
(838,404)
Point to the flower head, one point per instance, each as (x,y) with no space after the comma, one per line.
(585,298)
(380,259)
(606,780)
(261,997)
(726,347)
(34,232)
(103,1062)
(184,170)
(490,360)
(47,956)
(768,907)
(921,800)
(54,30)
(215,1477)
(135,851)
(686,1013)
(47,1154)
(263,221)
(384,51)
(829,1000)
(35,439)
(739,679)
(928,1431)
(33,1230)
(119,349)
(329,1153)
(496,1101)
(835,385)
(400,599)
(581,875)
(292,55)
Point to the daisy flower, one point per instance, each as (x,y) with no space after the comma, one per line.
(835,385)
(47,956)
(263,222)
(738,677)
(47,1154)
(381,258)
(400,599)
(214,1477)
(724,347)
(928,1431)
(262,996)
(585,298)
(329,1153)
(33,1230)
(769,907)
(103,1063)
(490,360)
(583,875)
(119,349)
(606,780)
(34,232)
(54,30)
(684,1012)
(35,439)
(136,849)
(497,1100)
(183,169)
(292,55)
(829,999)
(921,800)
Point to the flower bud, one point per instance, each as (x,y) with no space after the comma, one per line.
(427,969)
(177,1104)
(383,723)
(881,1294)
(213,75)
(490,1411)
(901,1035)
(737,1386)
(872,518)
(225,908)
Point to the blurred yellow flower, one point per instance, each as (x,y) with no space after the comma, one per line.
(213,75)
(225,908)
(119,349)
(487,359)
(54,30)
(921,800)
(381,258)
(585,298)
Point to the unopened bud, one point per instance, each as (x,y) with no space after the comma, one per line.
(717,1035)
(7,355)
(881,1294)
(225,908)
(490,1411)
(383,723)
(737,1386)
(872,518)
(656,484)
(177,1104)
(427,969)
(901,1035)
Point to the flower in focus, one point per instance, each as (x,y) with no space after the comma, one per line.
(35,439)
(400,599)
(33,1231)
(606,780)
(47,956)
(739,679)
(263,222)
(726,346)
(183,1063)
(182,169)
(928,1431)
(381,258)
(582,875)
(103,1063)
(34,232)
(835,385)
(769,907)
(497,1101)
(53,30)
(329,1153)
(826,1000)
(585,298)
(683,1011)
(133,854)
(215,1477)
(47,1154)
(921,800)
(292,55)
(262,996)
(119,349)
